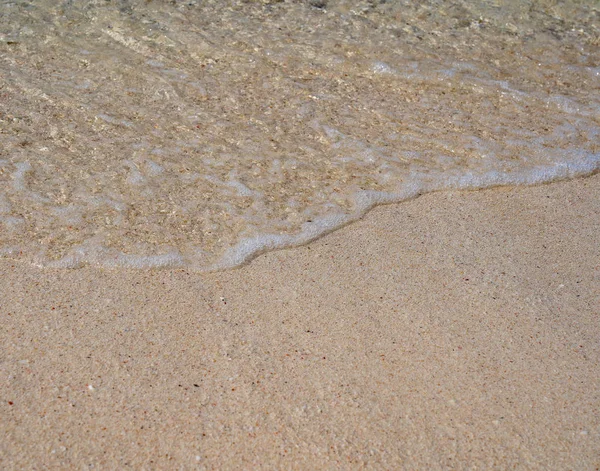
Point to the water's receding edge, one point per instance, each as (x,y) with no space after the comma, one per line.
(248,249)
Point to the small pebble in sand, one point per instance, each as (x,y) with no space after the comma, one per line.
(318,3)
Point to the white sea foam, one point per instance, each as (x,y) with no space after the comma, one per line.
(382,68)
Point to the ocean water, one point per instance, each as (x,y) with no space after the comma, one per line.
(200,133)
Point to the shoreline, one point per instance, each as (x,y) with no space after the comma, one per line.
(457,329)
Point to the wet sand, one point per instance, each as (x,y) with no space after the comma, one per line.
(454,331)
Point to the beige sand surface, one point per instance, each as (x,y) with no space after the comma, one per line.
(454,331)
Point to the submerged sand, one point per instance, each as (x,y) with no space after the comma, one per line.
(458,330)
(194,134)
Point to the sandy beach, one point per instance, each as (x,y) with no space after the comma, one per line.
(455,331)
(144,144)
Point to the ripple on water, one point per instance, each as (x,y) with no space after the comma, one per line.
(180,134)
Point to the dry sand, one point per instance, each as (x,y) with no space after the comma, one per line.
(455,331)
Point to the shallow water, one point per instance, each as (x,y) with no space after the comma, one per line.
(198,134)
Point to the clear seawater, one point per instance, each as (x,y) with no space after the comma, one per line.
(200,133)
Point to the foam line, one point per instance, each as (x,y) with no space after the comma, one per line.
(248,249)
